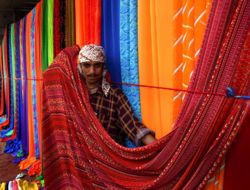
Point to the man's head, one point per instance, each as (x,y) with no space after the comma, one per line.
(91,62)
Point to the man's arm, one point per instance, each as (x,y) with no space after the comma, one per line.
(135,130)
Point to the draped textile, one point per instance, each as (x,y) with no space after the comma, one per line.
(45,36)
(111,37)
(237,160)
(38,67)
(29,59)
(47,33)
(187,157)
(24,103)
(69,23)
(189,22)
(1,83)
(155,39)
(59,26)
(4,119)
(129,52)
(87,18)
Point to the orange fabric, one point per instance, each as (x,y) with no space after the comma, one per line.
(31,157)
(155,63)
(189,19)
(88,21)
(169,41)
(216,182)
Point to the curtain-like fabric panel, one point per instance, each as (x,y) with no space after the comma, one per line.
(88,17)
(1,83)
(34,87)
(38,67)
(18,119)
(4,119)
(70,23)
(57,25)
(50,28)
(156,63)
(189,19)
(45,35)
(129,52)
(31,154)
(24,111)
(111,37)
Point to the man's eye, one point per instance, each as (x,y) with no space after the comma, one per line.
(98,65)
(86,65)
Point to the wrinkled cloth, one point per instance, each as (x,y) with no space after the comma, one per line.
(79,153)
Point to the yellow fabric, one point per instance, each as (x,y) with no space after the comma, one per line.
(2,187)
(25,185)
(155,37)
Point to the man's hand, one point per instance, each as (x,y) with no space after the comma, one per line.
(148,139)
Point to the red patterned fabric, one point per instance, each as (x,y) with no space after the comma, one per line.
(79,154)
(237,160)
(57,24)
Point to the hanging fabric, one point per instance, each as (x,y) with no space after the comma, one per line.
(87,17)
(155,63)
(70,23)
(29,56)
(111,37)
(187,157)
(24,112)
(129,52)
(4,119)
(47,33)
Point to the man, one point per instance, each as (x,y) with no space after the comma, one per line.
(109,103)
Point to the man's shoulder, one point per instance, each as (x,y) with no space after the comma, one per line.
(116,91)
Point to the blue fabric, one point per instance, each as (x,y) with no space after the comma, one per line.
(34,102)
(25,135)
(18,94)
(129,52)
(110,37)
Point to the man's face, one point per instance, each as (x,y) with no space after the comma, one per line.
(92,72)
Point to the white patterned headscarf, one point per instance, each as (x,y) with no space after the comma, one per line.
(92,52)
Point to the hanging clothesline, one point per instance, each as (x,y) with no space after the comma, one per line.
(229,91)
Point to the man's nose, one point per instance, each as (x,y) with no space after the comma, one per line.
(92,69)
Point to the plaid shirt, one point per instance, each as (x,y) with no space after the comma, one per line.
(117,116)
